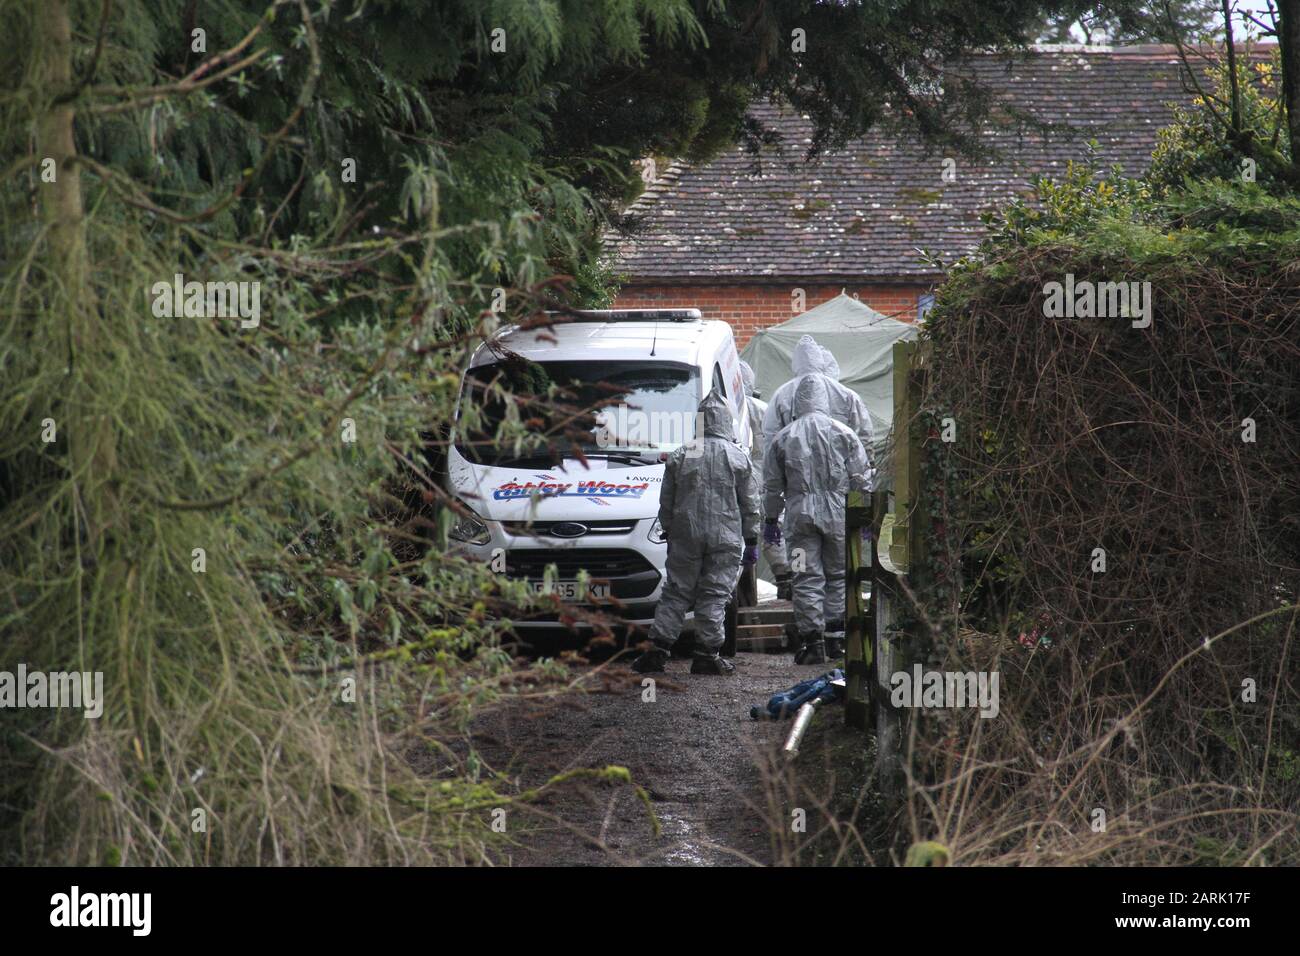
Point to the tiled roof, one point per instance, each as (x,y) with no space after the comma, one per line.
(864,210)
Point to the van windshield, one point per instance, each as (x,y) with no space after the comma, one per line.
(607,408)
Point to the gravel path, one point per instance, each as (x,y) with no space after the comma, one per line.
(694,749)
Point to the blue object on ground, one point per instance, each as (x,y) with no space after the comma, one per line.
(784,704)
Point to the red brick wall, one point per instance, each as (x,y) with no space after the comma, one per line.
(751,307)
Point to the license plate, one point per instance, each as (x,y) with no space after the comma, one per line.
(569,590)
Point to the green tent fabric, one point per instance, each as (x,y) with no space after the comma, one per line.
(862,341)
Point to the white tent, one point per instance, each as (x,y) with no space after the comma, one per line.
(862,341)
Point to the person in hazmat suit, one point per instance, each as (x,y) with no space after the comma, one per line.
(810,466)
(846,406)
(773,553)
(709,510)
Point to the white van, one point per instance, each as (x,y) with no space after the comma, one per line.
(539,510)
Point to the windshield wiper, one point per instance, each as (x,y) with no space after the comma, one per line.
(630,458)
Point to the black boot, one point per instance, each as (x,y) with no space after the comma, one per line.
(813,650)
(711,664)
(651,662)
(835,639)
(792,640)
(784,587)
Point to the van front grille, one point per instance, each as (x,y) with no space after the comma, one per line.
(545,528)
(599,563)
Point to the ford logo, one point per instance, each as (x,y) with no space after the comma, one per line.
(568,529)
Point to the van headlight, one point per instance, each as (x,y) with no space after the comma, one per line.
(657,535)
(471,529)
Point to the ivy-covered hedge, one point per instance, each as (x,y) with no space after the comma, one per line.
(1117,523)
(1173,448)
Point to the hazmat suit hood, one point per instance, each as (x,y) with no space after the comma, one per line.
(832,367)
(811,396)
(808,357)
(716,417)
(846,406)
(747,378)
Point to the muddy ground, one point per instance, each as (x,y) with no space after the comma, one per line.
(705,764)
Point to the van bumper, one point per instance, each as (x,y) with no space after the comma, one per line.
(628,562)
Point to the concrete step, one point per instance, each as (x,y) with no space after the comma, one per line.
(764,616)
(760,645)
(761,638)
(759,630)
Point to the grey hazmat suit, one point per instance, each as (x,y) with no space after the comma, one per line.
(845,404)
(810,466)
(708,506)
(774,554)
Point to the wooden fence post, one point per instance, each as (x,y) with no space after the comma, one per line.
(897,543)
(882,555)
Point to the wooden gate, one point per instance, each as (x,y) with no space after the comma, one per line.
(883,531)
